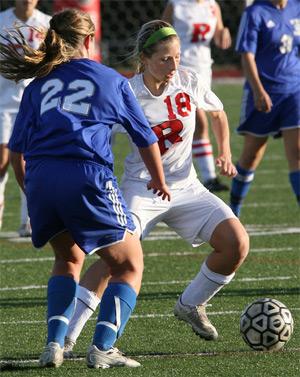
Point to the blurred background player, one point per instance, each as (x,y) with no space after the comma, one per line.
(169,95)
(63,129)
(197,23)
(24,12)
(269,42)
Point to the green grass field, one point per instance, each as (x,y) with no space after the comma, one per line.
(165,346)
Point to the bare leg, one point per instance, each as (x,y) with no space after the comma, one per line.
(292,150)
(4,162)
(230,242)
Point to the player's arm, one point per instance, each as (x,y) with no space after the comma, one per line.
(18,164)
(152,159)
(222,37)
(168,13)
(220,128)
(262,100)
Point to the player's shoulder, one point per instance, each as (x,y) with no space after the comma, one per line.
(41,17)
(295,6)
(186,77)
(6,16)
(137,84)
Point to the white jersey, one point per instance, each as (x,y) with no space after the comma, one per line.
(11,93)
(172,118)
(195,24)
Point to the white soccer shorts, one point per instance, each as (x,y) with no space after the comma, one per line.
(193,212)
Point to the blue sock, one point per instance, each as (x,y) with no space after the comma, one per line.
(295,182)
(117,304)
(61,304)
(239,188)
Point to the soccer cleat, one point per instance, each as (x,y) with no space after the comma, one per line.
(68,348)
(108,359)
(52,356)
(214,185)
(25,230)
(197,318)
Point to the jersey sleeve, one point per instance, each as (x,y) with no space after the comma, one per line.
(248,32)
(133,119)
(24,119)
(207,100)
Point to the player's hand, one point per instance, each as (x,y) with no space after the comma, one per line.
(263,101)
(226,166)
(159,189)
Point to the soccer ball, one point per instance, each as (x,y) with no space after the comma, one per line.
(266,325)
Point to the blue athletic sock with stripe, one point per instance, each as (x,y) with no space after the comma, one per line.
(295,182)
(61,304)
(117,304)
(239,188)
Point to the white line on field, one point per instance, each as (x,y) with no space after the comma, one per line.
(254,230)
(149,255)
(135,316)
(171,282)
(15,362)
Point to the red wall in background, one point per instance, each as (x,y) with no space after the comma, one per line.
(90,6)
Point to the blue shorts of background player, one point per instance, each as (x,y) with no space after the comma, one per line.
(285,114)
(92,209)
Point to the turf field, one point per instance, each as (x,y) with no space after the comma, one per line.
(165,346)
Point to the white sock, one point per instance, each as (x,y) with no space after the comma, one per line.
(205,285)
(203,155)
(87,303)
(24,211)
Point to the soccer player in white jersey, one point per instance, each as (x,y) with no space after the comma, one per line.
(24,12)
(198,23)
(169,96)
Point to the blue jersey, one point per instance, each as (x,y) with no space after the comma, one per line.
(62,116)
(273,36)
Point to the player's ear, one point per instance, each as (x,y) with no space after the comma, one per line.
(88,41)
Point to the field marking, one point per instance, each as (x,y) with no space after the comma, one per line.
(148,255)
(171,235)
(8,363)
(170,282)
(135,316)
(253,230)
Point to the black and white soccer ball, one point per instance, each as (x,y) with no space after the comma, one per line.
(266,324)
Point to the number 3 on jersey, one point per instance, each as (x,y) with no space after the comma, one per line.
(168,132)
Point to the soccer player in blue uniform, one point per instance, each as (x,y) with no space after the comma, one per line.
(63,129)
(269,41)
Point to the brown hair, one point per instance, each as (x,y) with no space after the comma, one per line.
(144,33)
(61,43)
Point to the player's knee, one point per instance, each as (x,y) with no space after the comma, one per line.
(241,246)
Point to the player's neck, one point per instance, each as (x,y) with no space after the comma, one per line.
(280,4)
(155,87)
(23,15)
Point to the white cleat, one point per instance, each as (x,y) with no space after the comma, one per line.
(52,356)
(197,318)
(68,348)
(108,359)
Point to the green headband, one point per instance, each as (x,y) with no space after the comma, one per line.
(158,35)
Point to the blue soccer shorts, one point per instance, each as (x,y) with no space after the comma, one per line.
(80,197)
(285,114)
